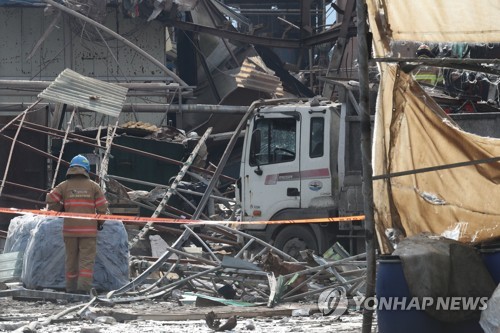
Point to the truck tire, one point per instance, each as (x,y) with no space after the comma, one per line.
(295,238)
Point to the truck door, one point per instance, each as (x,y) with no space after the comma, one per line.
(316,180)
(271,181)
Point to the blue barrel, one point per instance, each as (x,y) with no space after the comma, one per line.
(391,283)
(469,326)
(491,258)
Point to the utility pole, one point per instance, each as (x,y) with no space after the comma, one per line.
(366,146)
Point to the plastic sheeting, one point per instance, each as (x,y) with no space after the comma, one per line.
(490,320)
(19,232)
(436,21)
(43,266)
(440,267)
(412,132)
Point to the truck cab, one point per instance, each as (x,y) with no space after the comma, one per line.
(295,166)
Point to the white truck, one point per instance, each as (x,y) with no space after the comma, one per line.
(302,159)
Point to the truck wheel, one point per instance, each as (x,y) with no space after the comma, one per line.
(295,238)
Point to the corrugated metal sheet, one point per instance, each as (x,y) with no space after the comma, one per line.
(256,76)
(78,90)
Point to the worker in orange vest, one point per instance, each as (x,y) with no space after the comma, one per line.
(79,194)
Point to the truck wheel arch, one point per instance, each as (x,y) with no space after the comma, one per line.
(294,238)
(322,241)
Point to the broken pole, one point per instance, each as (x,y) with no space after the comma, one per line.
(20,115)
(64,140)
(158,263)
(364,104)
(171,188)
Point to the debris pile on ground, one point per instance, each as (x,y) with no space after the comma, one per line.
(220,264)
(205,266)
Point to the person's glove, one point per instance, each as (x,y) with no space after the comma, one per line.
(100,225)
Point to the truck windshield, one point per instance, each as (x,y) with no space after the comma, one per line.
(277,141)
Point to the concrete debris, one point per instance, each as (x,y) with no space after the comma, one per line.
(105,320)
(215,324)
(300,313)
(250,325)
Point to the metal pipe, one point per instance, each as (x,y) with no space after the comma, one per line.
(260,241)
(442,62)
(26,187)
(161,228)
(151,108)
(26,110)
(41,203)
(209,250)
(40,85)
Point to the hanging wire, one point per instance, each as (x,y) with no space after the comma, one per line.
(11,151)
(70,122)
(168,107)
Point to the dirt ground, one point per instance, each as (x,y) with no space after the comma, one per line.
(16,315)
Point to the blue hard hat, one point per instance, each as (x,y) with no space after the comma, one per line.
(81,161)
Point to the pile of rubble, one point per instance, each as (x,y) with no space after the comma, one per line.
(205,266)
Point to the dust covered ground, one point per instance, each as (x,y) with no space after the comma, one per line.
(16,315)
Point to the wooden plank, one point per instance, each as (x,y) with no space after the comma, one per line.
(37,295)
(221,312)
